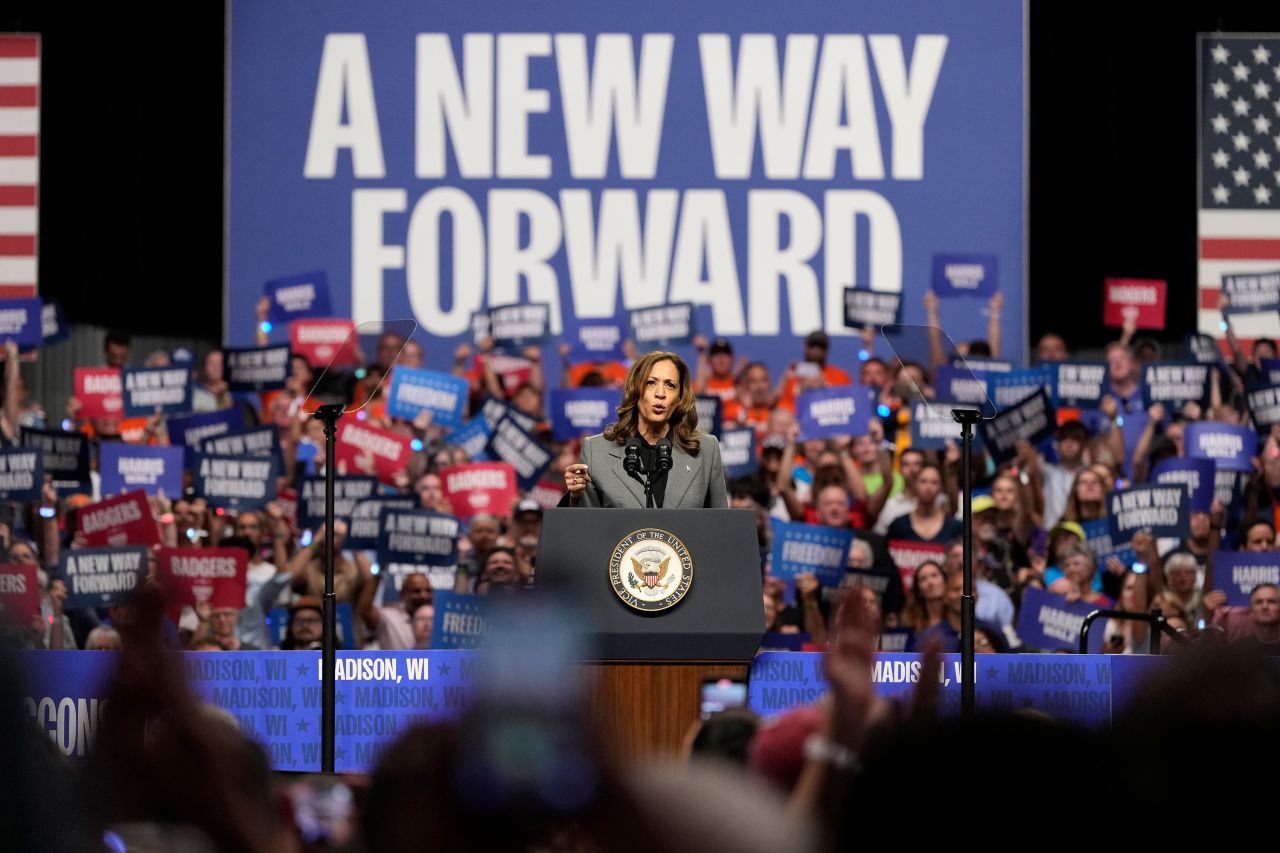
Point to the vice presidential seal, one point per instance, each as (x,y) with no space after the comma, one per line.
(651,569)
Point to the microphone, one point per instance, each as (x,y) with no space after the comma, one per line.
(631,456)
(664,454)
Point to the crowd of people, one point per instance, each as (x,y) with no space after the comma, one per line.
(1029,513)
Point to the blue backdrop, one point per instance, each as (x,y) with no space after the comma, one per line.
(339,148)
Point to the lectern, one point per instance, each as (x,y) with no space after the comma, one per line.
(669,597)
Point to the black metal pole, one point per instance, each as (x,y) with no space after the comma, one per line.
(328,705)
(968,669)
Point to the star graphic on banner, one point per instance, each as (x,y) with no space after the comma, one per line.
(303,725)
(1261,90)
(1242,177)
(1262,124)
(340,754)
(1220,54)
(302,670)
(1261,55)
(340,698)
(1221,194)
(993,674)
(1220,123)
(1261,194)
(1261,159)
(1220,159)
(1028,701)
(442,670)
(1241,106)
(1240,71)
(1240,141)
(1219,88)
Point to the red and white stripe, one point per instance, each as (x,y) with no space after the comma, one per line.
(1236,241)
(19,164)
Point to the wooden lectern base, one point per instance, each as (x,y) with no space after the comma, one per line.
(643,710)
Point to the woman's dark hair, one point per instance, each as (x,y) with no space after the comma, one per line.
(684,414)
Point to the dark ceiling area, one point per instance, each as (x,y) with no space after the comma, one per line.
(131,217)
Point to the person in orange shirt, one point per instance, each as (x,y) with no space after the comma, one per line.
(816,347)
(752,395)
(716,369)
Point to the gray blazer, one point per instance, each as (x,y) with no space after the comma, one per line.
(693,481)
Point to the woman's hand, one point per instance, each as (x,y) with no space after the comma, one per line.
(576,478)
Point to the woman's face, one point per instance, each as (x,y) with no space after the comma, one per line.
(1088,487)
(1004,491)
(930,582)
(1078,570)
(659,393)
(928,485)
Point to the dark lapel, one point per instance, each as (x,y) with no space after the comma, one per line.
(680,477)
(633,486)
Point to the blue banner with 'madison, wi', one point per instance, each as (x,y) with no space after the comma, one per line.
(752,160)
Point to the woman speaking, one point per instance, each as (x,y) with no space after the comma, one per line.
(654,455)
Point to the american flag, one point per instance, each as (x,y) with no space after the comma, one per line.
(19,163)
(1239,186)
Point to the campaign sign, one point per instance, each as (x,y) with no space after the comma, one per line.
(1081,384)
(260,441)
(261,369)
(348,491)
(19,594)
(122,520)
(512,370)
(53,323)
(297,296)
(960,385)
(480,487)
(1231,447)
(1097,535)
(738,453)
(154,469)
(797,548)
(576,412)
(964,275)
(834,412)
(363,448)
(416,541)
(1270,370)
(1196,474)
(932,426)
(710,409)
(871,308)
(1264,407)
(324,342)
(102,577)
(191,431)
(515,446)
(21,321)
(1047,621)
(495,410)
(66,458)
(1252,293)
(194,575)
(1175,383)
(461,622)
(414,390)
(1031,420)
(98,390)
(472,437)
(21,474)
(363,527)
(595,340)
(1009,389)
(981,366)
(909,556)
(235,482)
(1237,572)
(663,327)
(1139,299)
(547,493)
(517,326)
(1161,510)
(1204,349)
(147,389)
